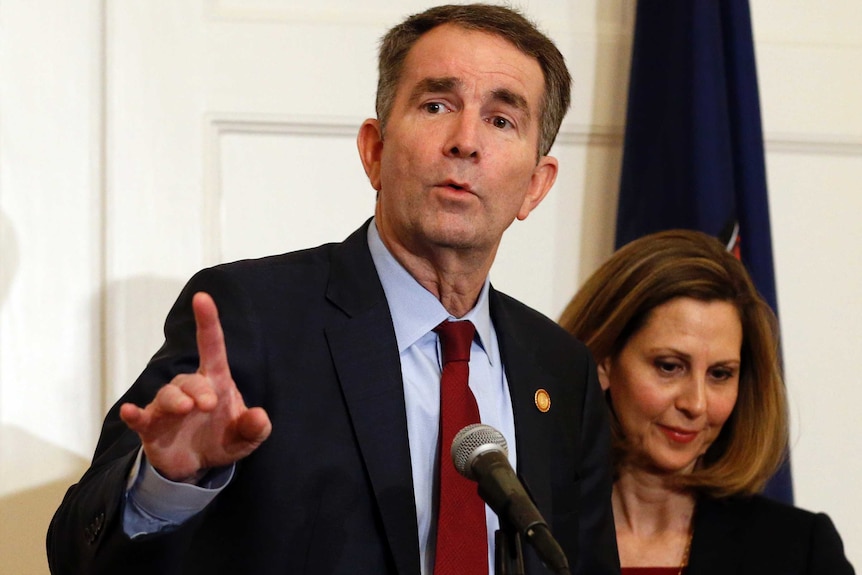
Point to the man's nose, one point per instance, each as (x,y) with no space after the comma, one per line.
(463,139)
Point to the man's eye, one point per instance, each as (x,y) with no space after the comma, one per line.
(435,108)
(501,123)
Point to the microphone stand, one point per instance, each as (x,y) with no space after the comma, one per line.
(508,555)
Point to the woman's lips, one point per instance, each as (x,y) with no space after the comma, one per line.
(678,435)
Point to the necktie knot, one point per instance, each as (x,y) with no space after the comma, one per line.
(456,337)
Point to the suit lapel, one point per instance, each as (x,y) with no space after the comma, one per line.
(365,355)
(532,427)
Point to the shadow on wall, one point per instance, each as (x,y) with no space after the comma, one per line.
(35,474)
(24,461)
(34,477)
(8,256)
(135,312)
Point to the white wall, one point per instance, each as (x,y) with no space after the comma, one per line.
(50,236)
(808,57)
(83,291)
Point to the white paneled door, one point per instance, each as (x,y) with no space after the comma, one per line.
(230,134)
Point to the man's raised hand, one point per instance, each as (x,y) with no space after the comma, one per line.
(199,420)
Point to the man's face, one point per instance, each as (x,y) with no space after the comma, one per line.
(457,163)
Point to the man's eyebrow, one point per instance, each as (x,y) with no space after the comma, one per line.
(433,85)
(513,99)
(450,84)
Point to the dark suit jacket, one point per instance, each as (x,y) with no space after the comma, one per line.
(310,338)
(756,536)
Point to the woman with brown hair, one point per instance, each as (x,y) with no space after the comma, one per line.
(687,355)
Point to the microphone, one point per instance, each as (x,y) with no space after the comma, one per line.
(480,453)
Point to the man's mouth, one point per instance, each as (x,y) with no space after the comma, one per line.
(459,186)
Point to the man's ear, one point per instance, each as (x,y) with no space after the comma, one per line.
(370,145)
(604,373)
(544,176)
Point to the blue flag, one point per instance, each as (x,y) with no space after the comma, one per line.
(693,154)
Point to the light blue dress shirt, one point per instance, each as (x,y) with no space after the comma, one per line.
(155,503)
(415,314)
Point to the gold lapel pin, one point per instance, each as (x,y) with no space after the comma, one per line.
(543,400)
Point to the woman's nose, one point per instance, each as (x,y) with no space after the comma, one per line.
(692,397)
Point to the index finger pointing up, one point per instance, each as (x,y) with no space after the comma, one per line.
(211,348)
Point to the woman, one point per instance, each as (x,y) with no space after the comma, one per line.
(687,355)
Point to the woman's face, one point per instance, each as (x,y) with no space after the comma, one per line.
(675,382)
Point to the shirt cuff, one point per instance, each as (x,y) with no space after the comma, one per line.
(154,503)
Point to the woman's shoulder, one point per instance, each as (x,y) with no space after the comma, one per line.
(765,536)
(758,508)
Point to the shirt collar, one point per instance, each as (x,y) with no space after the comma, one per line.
(415,311)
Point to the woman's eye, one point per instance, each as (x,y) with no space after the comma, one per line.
(667,366)
(722,374)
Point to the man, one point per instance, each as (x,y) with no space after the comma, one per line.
(334,467)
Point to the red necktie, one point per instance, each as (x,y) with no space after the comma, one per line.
(462,543)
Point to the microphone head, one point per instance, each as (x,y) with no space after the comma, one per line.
(471,442)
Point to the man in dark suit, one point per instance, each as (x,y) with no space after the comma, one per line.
(298,432)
